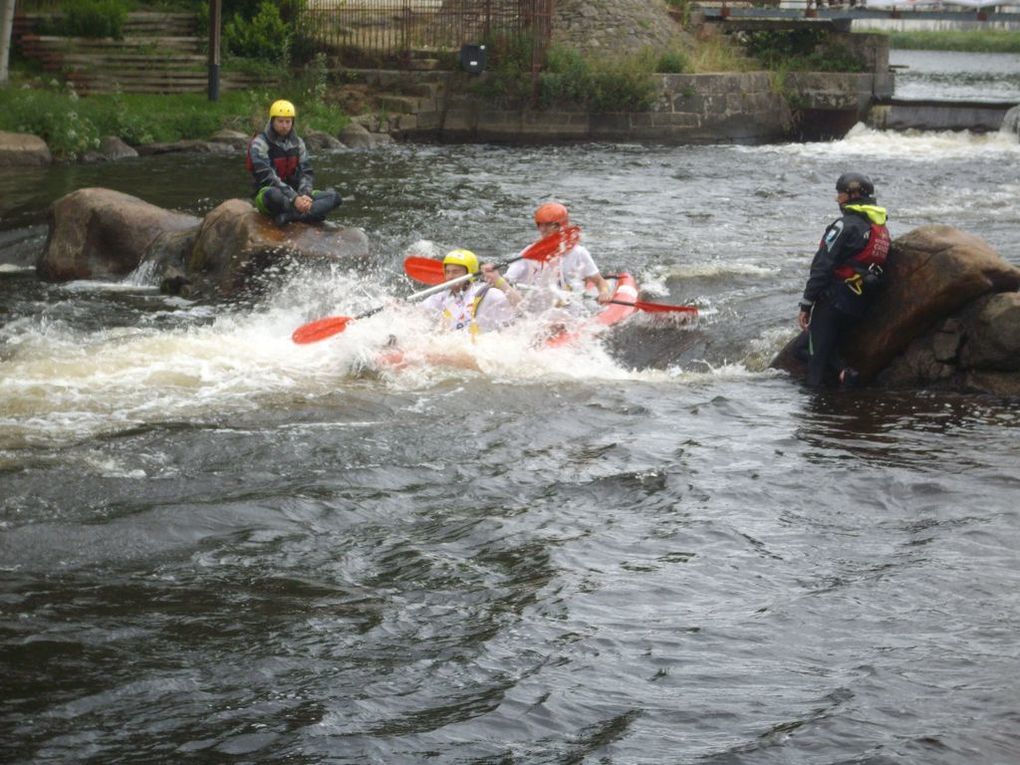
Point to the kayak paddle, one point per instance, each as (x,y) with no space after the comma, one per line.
(430,271)
(642,305)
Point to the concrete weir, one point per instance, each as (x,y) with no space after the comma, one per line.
(977,116)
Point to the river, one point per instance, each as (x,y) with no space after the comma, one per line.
(217,546)
(956,75)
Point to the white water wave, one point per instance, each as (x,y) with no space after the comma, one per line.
(910,145)
(60,385)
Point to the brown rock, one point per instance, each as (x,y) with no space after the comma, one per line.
(100,234)
(992,331)
(933,271)
(918,332)
(236,247)
(23,149)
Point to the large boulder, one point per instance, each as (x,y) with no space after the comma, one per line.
(99,233)
(23,149)
(237,248)
(947,314)
(103,234)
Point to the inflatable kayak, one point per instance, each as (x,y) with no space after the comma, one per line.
(624,293)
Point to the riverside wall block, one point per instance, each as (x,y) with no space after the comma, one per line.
(832,91)
(743,107)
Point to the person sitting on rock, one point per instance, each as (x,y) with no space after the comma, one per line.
(843,281)
(282,172)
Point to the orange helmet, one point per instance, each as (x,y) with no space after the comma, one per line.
(551,212)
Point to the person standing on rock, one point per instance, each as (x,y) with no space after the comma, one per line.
(843,280)
(282,177)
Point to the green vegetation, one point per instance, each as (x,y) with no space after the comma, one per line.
(261,31)
(569,79)
(970,40)
(718,53)
(90,18)
(801,50)
(71,125)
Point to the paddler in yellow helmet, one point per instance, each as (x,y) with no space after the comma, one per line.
(470,305)
(282,176)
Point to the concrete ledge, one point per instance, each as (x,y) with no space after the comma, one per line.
(938,115)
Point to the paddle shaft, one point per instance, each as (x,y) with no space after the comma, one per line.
(414,296)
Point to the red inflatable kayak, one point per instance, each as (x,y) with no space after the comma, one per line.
(624,294)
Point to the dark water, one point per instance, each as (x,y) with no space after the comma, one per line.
(217,546)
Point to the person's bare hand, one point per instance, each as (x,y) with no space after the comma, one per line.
(490,273)
(303,203)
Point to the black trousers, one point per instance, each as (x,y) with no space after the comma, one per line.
(324,202)
(818,345)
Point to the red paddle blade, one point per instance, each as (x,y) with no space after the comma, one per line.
(664,307)
(424,270)
(557,243)
(429,271)
(320,329)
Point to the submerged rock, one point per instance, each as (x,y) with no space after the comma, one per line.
(948,316)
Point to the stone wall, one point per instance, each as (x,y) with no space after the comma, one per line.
(739,107)
(618,26)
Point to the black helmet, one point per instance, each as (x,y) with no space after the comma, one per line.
(855,184)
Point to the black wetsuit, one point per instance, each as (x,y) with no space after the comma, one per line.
(839,288)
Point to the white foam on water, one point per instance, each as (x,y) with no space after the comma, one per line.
(920,146)
(58,384)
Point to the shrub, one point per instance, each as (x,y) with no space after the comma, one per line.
(614,84)
(801,50)
(54,116)
(265,36)
(672,62)
(92,18)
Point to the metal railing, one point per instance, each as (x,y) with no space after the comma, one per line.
(398,31)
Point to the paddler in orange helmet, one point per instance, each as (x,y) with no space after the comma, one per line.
(556,277)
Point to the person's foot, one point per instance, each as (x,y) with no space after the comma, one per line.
(849,377)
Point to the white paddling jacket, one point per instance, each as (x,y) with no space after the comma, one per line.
(476,309)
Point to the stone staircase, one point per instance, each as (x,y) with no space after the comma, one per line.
(159,53)
(403,101)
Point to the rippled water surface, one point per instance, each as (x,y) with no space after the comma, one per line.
(956,75)
(217,546)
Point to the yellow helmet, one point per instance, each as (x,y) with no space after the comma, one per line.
(464,258)
(282,108)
